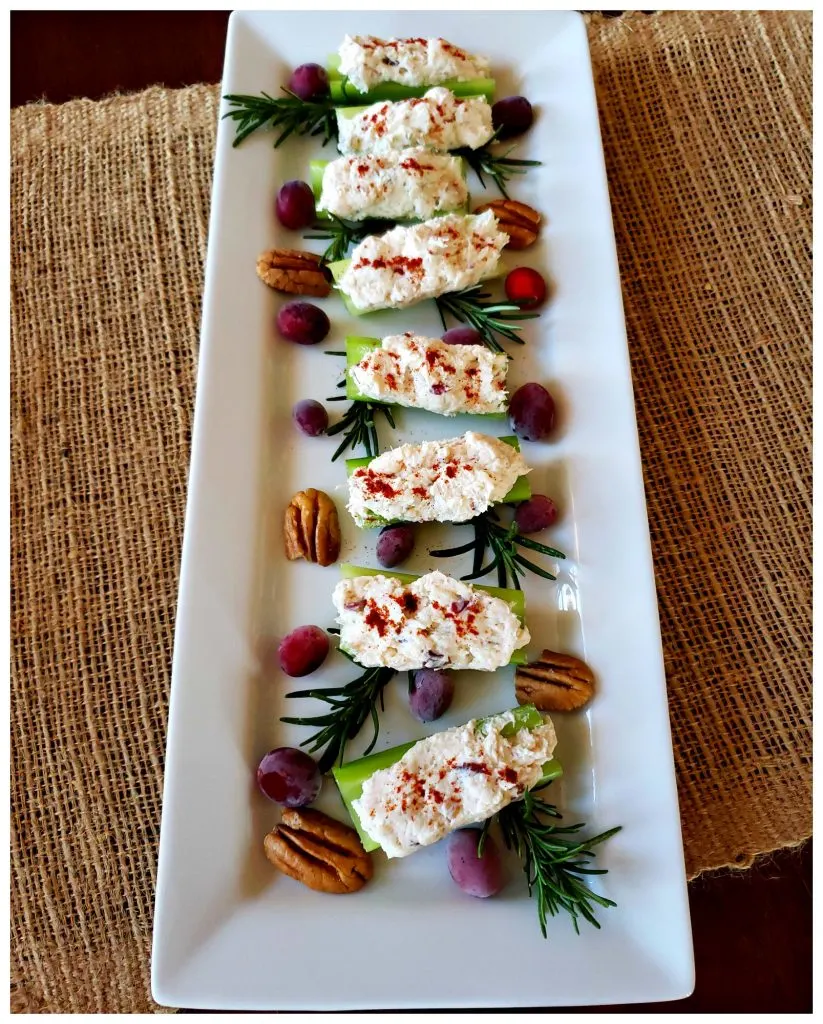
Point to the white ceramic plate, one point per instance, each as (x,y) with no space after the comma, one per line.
(232,933)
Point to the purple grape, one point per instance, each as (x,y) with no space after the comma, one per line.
(309,82)
(430,694)
(295,205)
(477,876)
(289,777)
(311,417)
(531,412)
(512,116)
(303,650)
(536,514)
(463,336)
(394,545)
(302,323)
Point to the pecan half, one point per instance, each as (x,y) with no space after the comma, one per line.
(318,851)
(311,528)
(520,222)
(555,682)
(295,272)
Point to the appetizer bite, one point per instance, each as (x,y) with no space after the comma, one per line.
(408,184)
(416,794)
(439,120)
(432,621)
(409,264)
(426,373)
(449,481)
(364,64)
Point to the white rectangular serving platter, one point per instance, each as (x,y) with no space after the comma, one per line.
(232,933)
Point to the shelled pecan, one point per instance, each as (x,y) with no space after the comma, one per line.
(295,272)
(555,682)
(318,851)
(520,222)
(311,527)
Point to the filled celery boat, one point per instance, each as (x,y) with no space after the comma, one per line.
(318,167)
(342,91)
(351,777)
(515,598)
(520,491)
(356,348)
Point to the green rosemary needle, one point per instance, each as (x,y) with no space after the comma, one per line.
(358,425)
(489,319)
(499,167)
(289,113)
(503,542)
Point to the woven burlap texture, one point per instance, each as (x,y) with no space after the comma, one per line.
(706,122)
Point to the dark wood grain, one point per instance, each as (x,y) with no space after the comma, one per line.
(753,929)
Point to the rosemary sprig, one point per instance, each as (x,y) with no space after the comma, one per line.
(289,113)
(503,542)
(555,867)
(344,233)
(488,318)
(358,425)
(350,706)
(499,167)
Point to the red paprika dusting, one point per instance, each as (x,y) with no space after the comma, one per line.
(376,619)
(508,774)
(437,796)
(451,469)
(438,388)
(391,380)
(410,164)
(374,484)
(421,492)
(477,766)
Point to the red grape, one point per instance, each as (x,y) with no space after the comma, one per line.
(289,777)
(295,205)
(477,876)
(302,323)
(463,336)
(311,417)
(394,545)
(431,692)
(531,412)
(303,650)
(525,286)
(309,82)
(512,116)
(536,514)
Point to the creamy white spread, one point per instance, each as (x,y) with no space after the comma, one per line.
(368,61)
(410,264)
(426,373)
(452,779)
(435,622)
(439,120)
(409,183)
(448,481)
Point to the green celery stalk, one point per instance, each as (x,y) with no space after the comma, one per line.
(351,777)
(516,599)
(338,269)
(520,491)
(356,348)
(317,169)
(342,91)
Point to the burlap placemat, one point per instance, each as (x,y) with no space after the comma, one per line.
(706,121)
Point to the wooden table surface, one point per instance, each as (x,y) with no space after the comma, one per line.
(752,929)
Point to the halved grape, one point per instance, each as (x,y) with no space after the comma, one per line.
(430,693)
(289,777)
(303,650)
(463,336)
(311,417)
(309,82)
(394,545)
(531,412)
(512,116)
(302,323)
(477,876)
(536,514)
(295,205)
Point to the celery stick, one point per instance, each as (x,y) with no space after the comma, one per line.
(342,91)
(356,348)
(351,777)
(516,599)
(520,491)
(317,169)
